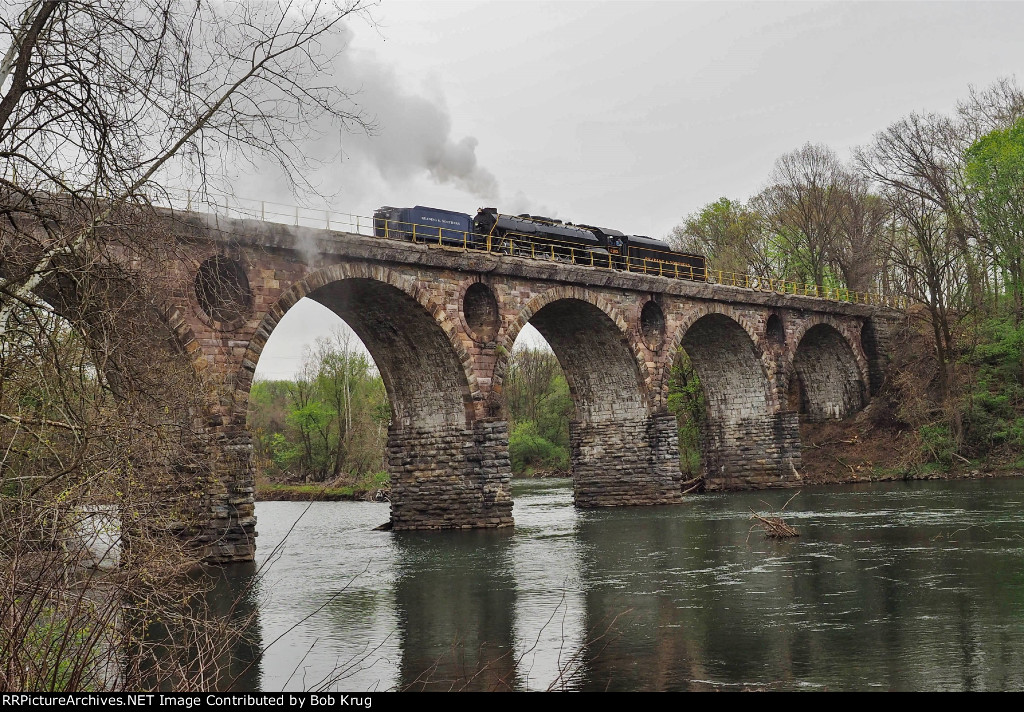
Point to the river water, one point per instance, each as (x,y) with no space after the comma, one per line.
(901,586)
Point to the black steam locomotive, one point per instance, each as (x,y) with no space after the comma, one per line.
(537,237)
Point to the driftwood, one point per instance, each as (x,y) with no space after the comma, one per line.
(694,485)
(774,526)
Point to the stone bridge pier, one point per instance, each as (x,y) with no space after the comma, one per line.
(623,446)
(440,324)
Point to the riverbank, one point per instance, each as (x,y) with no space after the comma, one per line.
(374,488)
(310,493)
(870,448)
(826,462)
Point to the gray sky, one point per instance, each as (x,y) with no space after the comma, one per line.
(625,114)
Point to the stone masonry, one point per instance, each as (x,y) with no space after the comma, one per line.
(440,324)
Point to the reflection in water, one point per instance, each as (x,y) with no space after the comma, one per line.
(455,597)
(234,596)
(549,601)
(214,647)
(892,589)
(905,586)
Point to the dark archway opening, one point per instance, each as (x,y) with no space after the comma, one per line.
(826,372)
(742,442)
(652,324)
(480,310)
(775,331)
(222,291)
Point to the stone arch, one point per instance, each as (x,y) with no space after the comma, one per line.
(728,362)
(848,331)
(745,440)
(651,323)
(479,311)
(333,287)
(775,331)
(620,452)
(578,294)
(448,469)
(826,369)
(763,356)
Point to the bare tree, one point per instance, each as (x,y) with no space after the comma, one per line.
(922,155)
(996,106)
(803,204)
(104,103)
(922,248)
(104,106)
(857,248)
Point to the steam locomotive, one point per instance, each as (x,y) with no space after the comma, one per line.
(537,237)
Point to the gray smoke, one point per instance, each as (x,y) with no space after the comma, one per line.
(412,138)
(414,133)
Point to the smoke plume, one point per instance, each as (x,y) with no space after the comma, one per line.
(414,133)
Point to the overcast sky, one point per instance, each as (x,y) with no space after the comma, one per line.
(630,115)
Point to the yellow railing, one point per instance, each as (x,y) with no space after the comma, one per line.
(802,289)
(434,236)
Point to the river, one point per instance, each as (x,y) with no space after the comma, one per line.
(899,586)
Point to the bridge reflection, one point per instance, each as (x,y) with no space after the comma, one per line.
(455,597)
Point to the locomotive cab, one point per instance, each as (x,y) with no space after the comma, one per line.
(613,243)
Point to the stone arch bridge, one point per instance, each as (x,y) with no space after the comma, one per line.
(440,324)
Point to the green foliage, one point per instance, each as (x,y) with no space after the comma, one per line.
(329,422)
(995,171)
(938,442)
(994,404)
(727,232)
(999,348)
(686,400)
(59,650)
(529,450)
(995,178)
(539,407)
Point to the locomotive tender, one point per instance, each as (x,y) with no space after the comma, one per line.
(538,237)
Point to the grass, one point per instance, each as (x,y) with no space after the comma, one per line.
(327,491)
